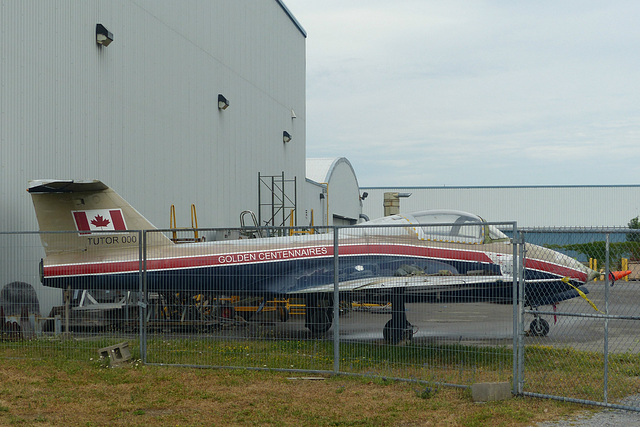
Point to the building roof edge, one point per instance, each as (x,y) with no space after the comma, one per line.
(293,18)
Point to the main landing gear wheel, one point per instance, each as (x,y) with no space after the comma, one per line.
(398,329)
(318,313)
(539,327)
(395,334)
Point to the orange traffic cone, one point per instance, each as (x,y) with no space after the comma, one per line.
(617,275)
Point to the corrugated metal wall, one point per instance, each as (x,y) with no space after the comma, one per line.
(549,206)
(142,114)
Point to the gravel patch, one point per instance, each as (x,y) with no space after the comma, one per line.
(604,418)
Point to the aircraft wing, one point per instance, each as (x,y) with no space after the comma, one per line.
(411,284)
(425,285)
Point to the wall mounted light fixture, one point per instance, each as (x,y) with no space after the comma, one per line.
(286,136)
(104,37)
(223,102)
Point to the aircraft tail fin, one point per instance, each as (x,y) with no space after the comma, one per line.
(90,208)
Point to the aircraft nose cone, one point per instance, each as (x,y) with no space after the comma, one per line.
(592,275)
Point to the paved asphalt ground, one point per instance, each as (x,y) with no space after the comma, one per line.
(492,324)
(604,418)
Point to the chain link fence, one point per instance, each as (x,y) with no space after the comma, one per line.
(380,322)
(39,321)
(440,313)
(588,349)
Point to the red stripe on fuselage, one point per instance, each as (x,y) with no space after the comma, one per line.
(175,263)
(289,254)
(560,270)
(273,255)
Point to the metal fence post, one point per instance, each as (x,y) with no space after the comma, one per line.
(143,297)
(336,304)
(515,269)
(520,315)
(606,318)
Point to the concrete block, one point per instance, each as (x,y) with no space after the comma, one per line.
(57,324)
(117,354)
(485,392)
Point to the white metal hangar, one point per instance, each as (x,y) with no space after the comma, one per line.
(187,104)
(172,102)
(529,206)
(333,191)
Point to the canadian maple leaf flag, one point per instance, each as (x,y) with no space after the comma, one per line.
(99,220)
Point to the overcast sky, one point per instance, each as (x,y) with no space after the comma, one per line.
(431,93)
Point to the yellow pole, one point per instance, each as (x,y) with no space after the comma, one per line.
(172,221)
(194,221)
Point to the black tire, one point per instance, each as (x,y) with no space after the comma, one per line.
(319,328)
(539,328)
(395,334)
(319,313)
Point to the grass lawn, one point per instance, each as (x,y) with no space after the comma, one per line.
(57,391)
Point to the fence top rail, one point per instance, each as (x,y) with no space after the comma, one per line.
(506,225)
(578,230)
(6,233)
(333,227)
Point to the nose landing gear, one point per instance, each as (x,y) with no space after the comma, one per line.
(539,327)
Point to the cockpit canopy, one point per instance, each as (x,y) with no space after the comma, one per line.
(440,226)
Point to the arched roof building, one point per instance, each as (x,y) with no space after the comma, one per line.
(332,191)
